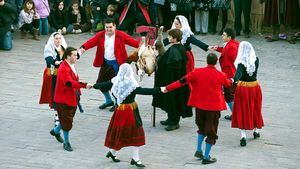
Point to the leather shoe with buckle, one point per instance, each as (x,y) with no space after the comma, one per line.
(114,158)
(172,127)
(67,147)
(104,105)
(57,136)
(228,117)
(164,123)
(243,142)
(199,155)
(209,160)
(137,163)
(256,135)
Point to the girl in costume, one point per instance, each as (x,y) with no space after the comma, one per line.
(125,127)
(247,105)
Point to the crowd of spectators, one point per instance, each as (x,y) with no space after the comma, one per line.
(41,17)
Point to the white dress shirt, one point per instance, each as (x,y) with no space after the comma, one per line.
(109,46)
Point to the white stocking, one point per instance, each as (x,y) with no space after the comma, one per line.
(243,133)
(135,155)
(113,152)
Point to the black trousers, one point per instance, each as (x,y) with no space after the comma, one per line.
(134,16)
(213,19)
(242,6)
(28,26)
(173,117)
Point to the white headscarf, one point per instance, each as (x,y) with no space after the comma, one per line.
(185,27)
(49,49)
(246,56)
(124,83)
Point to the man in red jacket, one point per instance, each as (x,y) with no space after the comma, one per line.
(227,58)
(67,85)
(110,54)
(207,97)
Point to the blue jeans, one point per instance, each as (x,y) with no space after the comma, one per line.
(19,5)
(6,41)
(44,27)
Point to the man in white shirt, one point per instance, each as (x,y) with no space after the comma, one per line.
(110,54)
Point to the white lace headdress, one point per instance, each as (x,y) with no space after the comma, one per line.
(246,56)
(124,83)
(185,28)
(49,49)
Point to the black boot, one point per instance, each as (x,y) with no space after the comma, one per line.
(67,147)
(57,136)
(172,127)
(209,160)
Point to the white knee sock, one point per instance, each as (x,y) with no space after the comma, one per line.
(113,152)
(135,154)
(256,130)
(243,133)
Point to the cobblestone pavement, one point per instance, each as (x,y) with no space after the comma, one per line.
(25,142)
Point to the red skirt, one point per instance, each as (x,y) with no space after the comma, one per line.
(190,65)
(46,97)
(124,128)
(247,106)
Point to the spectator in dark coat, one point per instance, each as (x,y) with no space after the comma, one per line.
(7,16)
(77,18)
(59,18)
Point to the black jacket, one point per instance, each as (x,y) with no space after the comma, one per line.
(7,16)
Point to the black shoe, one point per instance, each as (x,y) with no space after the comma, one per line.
(133,162)
(209,160)
(112,109)
(256,135)
(228,117)
(57,136)
(165,123)
(243,142)
(104,105)
(199,155)
(114,158)
(67,147)
(172,127)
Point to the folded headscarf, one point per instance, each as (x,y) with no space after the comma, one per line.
(246,56)
(124,83)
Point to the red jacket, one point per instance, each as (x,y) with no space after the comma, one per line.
(206,92)
(121,38)
(228,56)
(66,85)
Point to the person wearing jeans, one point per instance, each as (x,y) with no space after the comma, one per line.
(111,53)
(7,16)
(6,41)
(43,9)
